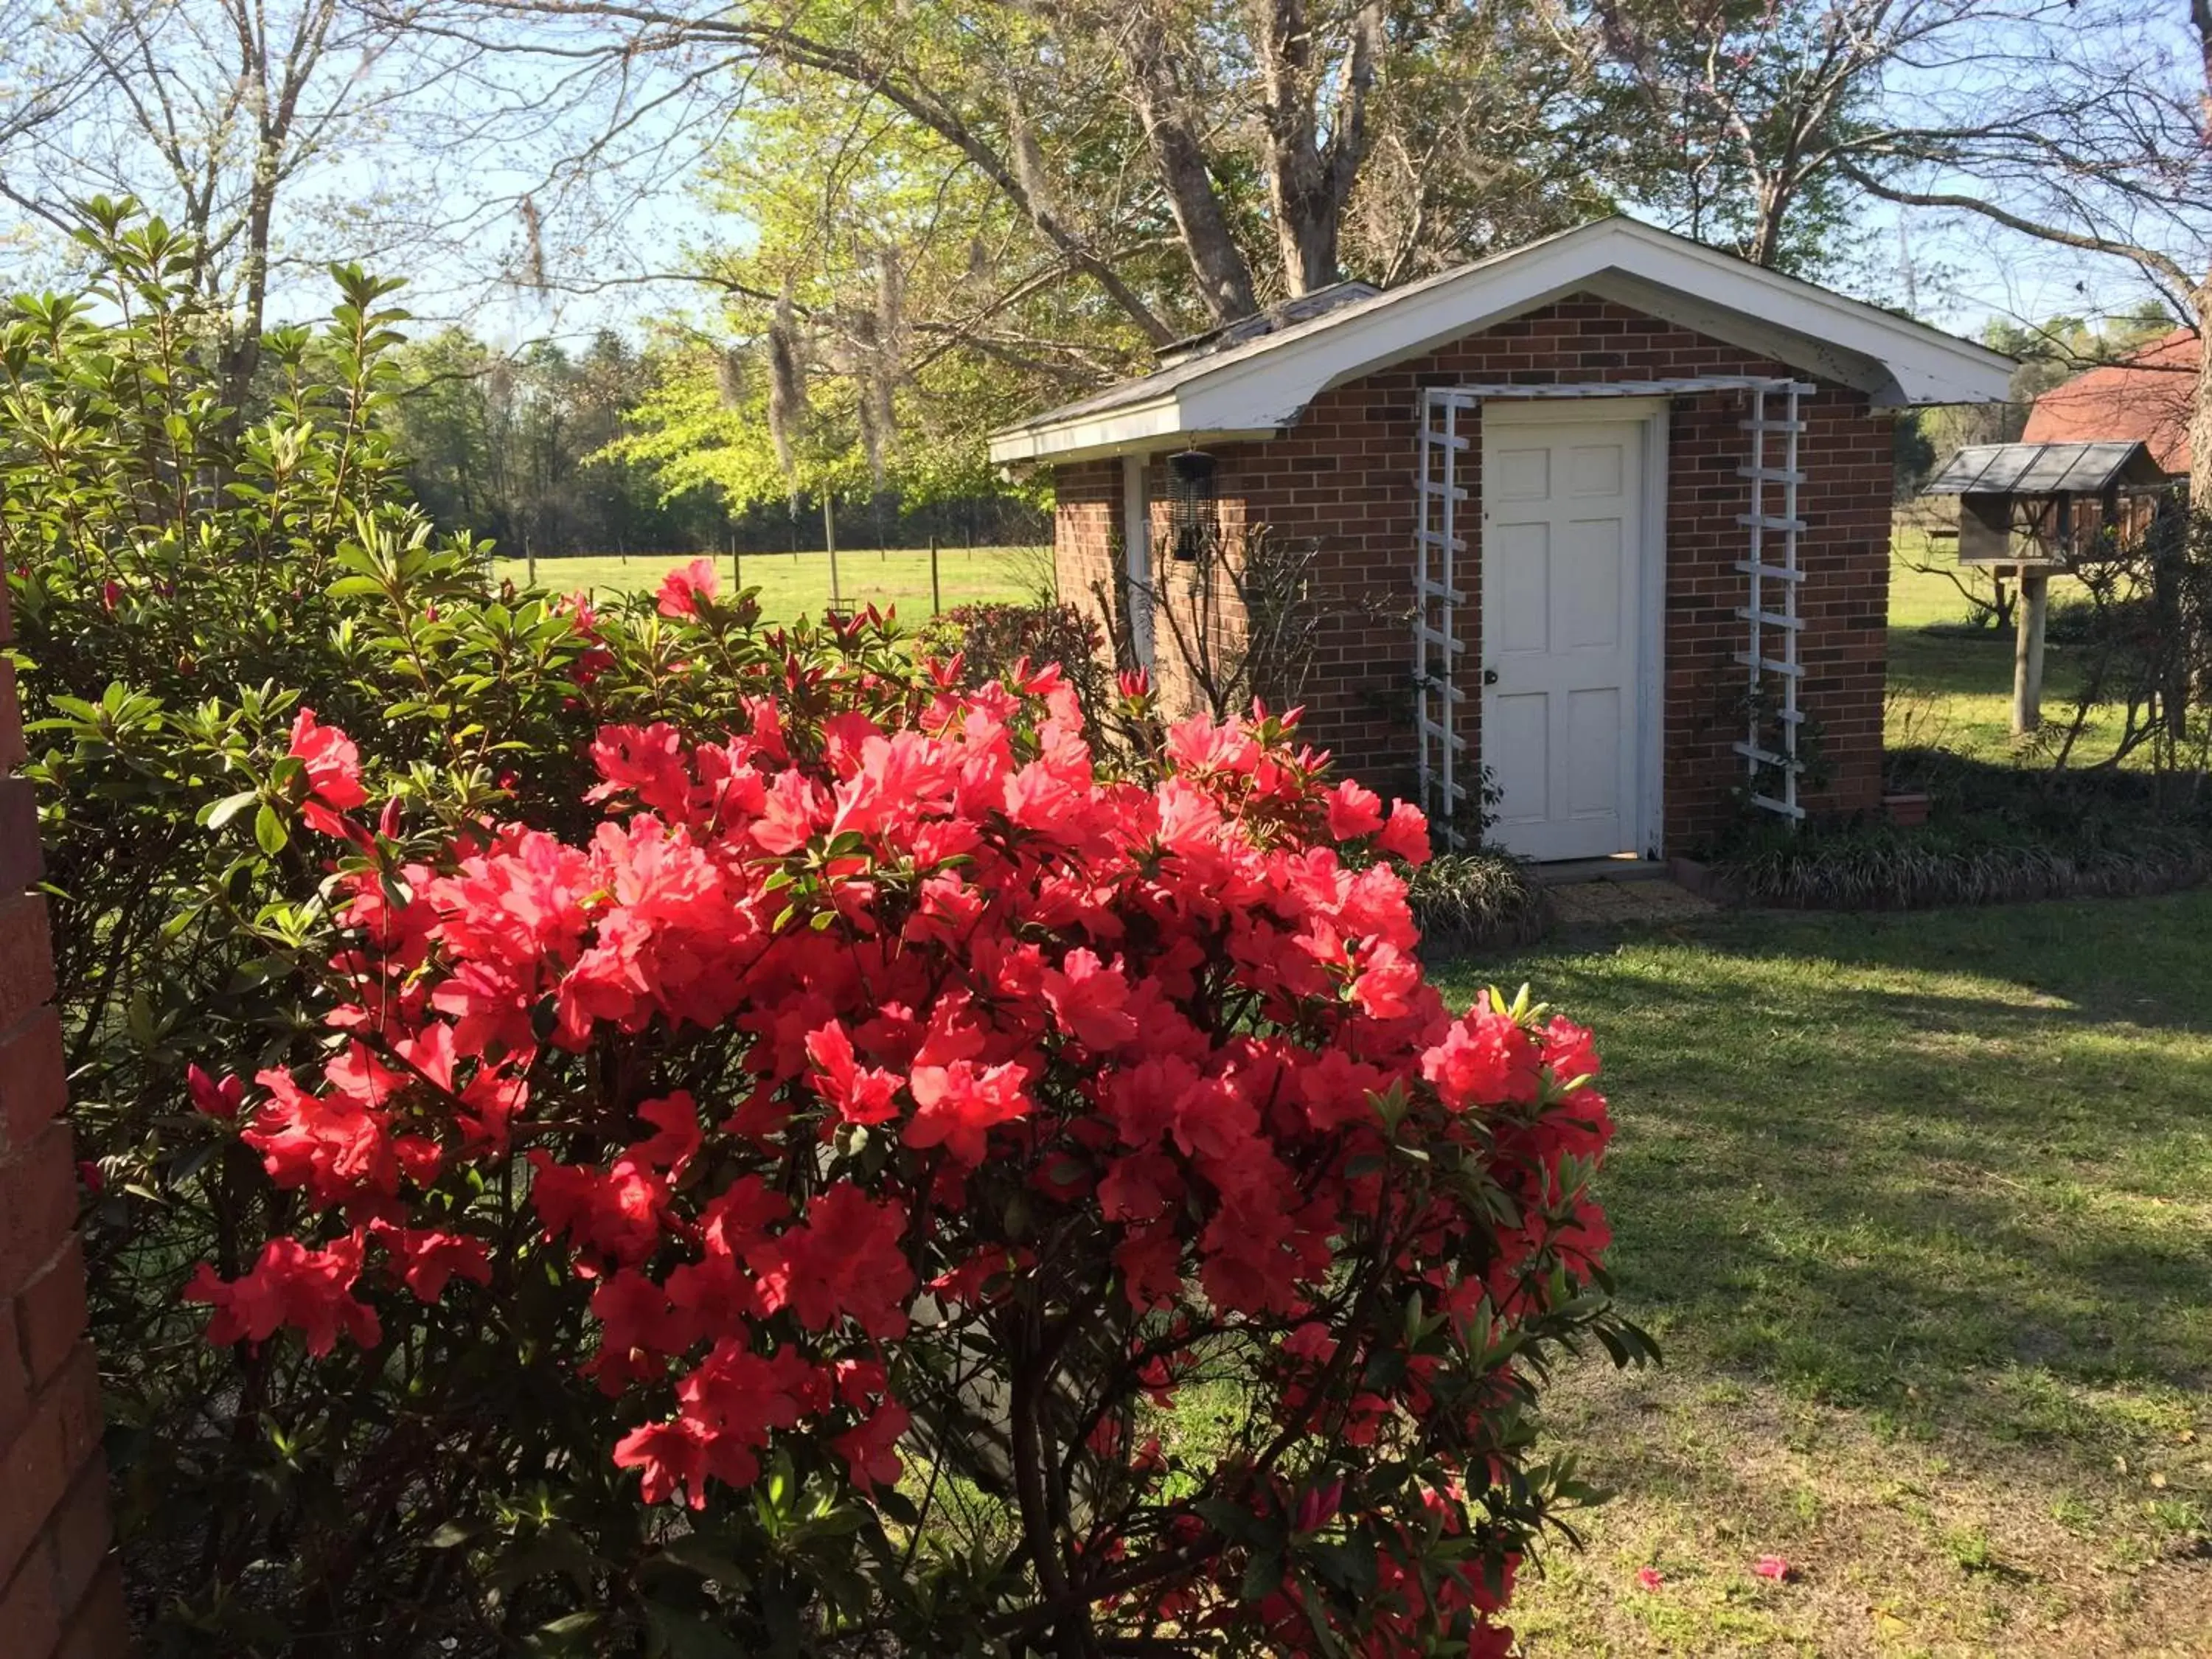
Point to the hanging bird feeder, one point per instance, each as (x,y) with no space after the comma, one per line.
(1192,505)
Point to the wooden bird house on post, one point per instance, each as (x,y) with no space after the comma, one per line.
(2026,510)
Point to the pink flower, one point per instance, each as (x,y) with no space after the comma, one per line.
(1405,836)
(681,590)
(1649,1577)
(212,1099)
(333,763)
(1354,811)
(1772,1566)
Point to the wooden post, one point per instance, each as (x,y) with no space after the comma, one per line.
(2027,651)
(936,594)
(829,537)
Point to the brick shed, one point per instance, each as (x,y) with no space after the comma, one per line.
(1605,517)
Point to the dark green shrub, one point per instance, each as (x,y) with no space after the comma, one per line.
(1478,900)
(1997,834)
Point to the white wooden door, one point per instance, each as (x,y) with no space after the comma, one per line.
(1562,558)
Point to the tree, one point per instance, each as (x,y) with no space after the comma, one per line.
(879,307)
(1771,111)
(240,123)
(944,212)
(1234,137)
(47,74)
(2087,127)
(518,448)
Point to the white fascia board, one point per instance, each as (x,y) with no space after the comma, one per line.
(1112,443)
(1926,366)
(1109,431)
(1272,388)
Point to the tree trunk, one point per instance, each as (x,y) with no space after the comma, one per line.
(1224,281)
(1308,184)
(2172,588)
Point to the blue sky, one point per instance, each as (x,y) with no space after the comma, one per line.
(472,178)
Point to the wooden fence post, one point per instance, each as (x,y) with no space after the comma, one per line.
(2027,651)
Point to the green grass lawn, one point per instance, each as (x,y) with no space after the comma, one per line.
(795,586)
(1920,1208)
(1952,688)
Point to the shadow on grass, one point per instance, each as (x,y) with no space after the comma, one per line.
(1949,1168)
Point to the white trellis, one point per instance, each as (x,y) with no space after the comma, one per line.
(1772,569)
(1436,599)
(1771,765)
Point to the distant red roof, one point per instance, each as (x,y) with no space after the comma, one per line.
(2146,399)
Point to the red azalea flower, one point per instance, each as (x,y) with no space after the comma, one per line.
(333,763)
(212,1099)
(682,591)
(309,1290)
(955,1105)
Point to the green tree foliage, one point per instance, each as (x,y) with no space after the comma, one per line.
(516,449)
(901,340)
(1737,120)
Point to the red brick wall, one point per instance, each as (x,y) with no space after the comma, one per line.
(1086,525)
(59,1591)
(1343,478)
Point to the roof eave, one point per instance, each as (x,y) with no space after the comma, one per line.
(1101,437)
(1897,364)
(1106,432)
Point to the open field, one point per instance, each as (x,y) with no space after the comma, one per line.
(794,585)
(1920,1208)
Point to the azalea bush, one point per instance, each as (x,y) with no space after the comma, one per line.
(866,1133)
(610,1130)
(185,579)
(988,640)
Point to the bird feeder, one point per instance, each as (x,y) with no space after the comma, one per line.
(1192,505)
(2026,510)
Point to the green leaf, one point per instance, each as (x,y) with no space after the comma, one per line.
(707,1556)
(572,1633)
(269,831)
(687,1636)
(229,807)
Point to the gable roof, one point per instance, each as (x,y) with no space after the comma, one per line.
(1254,387)
(2145,399)
(2038,469)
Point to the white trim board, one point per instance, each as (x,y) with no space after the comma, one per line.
(1137,554)
(1261,386)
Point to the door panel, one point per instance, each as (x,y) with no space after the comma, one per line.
(1562,533)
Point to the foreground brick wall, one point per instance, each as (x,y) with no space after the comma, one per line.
(60,1595)
(1343,477)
